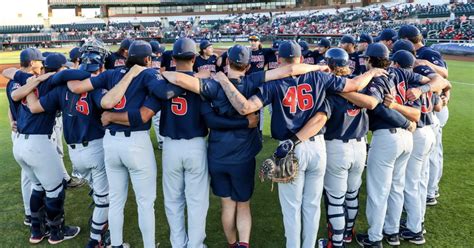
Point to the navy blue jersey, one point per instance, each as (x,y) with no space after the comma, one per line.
(354,63)
(431,55)
(396,84)
(362,66)
(258,60)
(205,64)
(231,145)
(319,58)
(115,60)
(12,85)
(212,91)
(136,96)
(181,117)
(272,60)
(346,120)
(295,100)
(27,122)
(167,61)
(81,113)
(156,63)
(223,66)
(427,100)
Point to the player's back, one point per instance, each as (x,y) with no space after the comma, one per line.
(12,85)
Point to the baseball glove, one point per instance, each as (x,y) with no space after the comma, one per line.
(279,170)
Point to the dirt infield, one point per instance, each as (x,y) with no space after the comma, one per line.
(3,80)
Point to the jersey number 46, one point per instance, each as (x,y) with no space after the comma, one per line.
(298,97)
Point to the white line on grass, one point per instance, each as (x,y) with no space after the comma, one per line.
(462,83)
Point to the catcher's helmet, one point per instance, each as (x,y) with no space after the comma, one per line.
(93,55)
(336,57)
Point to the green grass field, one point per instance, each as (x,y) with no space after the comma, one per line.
(449,224)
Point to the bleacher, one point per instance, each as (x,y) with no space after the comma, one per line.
(78,27)
(34,38)
(20,29)
(437,11)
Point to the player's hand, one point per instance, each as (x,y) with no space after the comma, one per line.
(106,118)
(389,101)
(378,72)
(135,70)
(324,68)
(284,148)
(205,73)
(40,78)
(253,119)
(444,100)
(419,62)
(13,126)
(221,77)
(412,126)
(413,94)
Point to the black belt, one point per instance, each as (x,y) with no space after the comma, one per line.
(84,144)
(392,130)
(28,135)
(126,133)
(347,140)
(312,138)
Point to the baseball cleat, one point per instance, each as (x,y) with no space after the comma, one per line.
(93,243)
(415,238)
(431,202)
(403,224)
(36,239)
(27,220)
(67,232)
(436,194)
(348,236)
(75,182)
(124,245)
(392,239)
(364,241)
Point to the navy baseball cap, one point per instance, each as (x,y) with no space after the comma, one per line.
(46,54)
(254,37)
(74,53)
(126,43)
(348,39)
(387,34)
(140,48)
(156,47)
(404,58)
(239,54)
(408,31)
(378,50)
(304,46)
(366,38)
(55,61)
(31,54)
(204,44)
(324,43)
(276,45)
(289,49)
(403,45)
(184,48)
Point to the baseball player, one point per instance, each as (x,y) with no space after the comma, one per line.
(206,61)
(221,63)
(295,122)
(118,58)
(362,43)
(37,155)
(231,180)
(323,45)
(387,37)
(167,62)
(157,50)
(348,43)
(127,148)
(273,57)
(30,62)
(307,54)
(74,57)
(83,131)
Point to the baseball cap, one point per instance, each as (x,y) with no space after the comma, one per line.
(289,49)
(55,61)
(324,43)
(139,48)
(46,54)
(31,54)
(275,45)
(74,53)
(304,46)
(404,58)
(239,54)
(184,48)
(408,31)
(254,37)
(387,34)
(156,47)
(378,50)
(91,61)
(403,45)
(348,39)
(365,38)
(126,43)
(204,44)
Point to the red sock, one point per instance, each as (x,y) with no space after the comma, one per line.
(243,244)
(234,245)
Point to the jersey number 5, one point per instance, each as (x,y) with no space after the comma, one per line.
(81,105)
(298,97)
(179,106)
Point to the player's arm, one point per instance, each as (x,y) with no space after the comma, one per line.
(143,115)
(80,86)
(10,72)
(441,70)
(114,95)
(12,122)
(432,83)
(183,80)
(312,127)
(64,76)
(238,101)
(394,117)
(360,100)
(292,70)
(34,104)
(358,83)
(31,84)
(410,113)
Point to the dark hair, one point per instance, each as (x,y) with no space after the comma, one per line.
(25,64)
(75,60)
(131,61)
(47,70)
(237,66)
(377,62)
(290,60)
(416,39)
(183,59)
(121,50)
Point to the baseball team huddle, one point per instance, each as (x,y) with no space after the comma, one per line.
(207,111)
